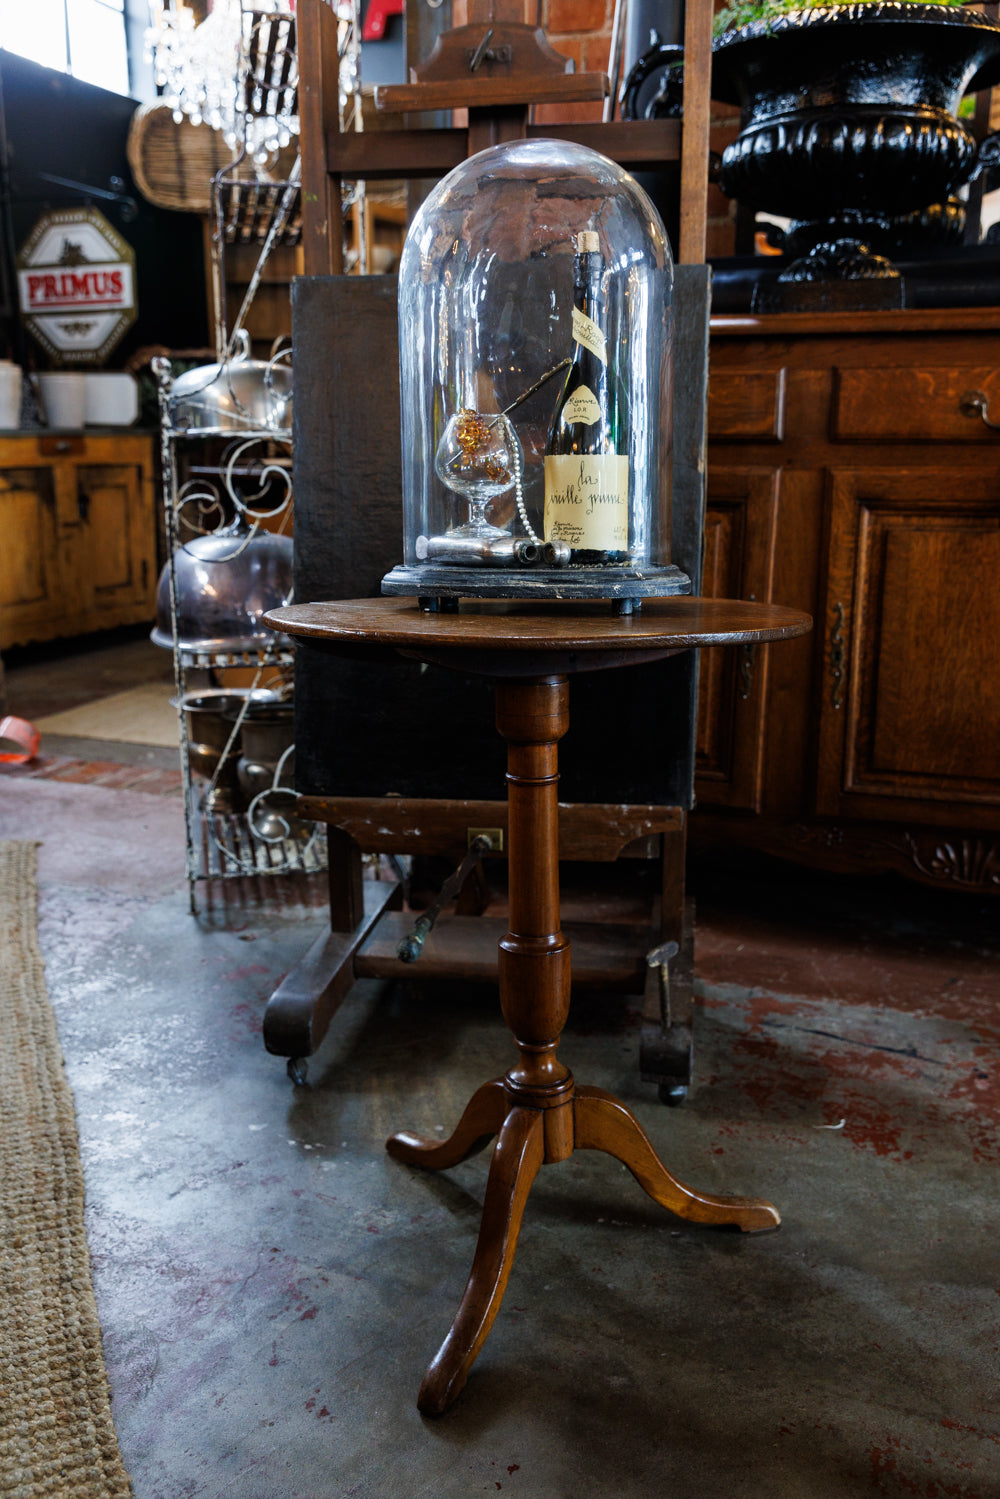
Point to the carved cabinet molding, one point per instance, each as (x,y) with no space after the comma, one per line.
(850,474)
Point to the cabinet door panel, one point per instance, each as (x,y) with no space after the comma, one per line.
(106,495)
(739,561)
(111,503)
(28,556)
(911,709)
(746,404)
(79,528)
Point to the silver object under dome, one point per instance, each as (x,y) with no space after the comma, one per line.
(239,394)
(225,582)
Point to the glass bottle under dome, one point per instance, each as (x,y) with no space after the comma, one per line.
(535,325)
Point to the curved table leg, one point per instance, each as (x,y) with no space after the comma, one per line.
(519,1152)
(483,1117)
(602,1123)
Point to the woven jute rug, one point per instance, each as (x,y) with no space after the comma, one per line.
(56,1435)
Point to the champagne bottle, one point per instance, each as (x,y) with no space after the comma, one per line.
(586,471)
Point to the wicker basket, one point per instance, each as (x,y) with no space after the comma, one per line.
(173,165)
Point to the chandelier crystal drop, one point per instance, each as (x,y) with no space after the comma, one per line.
(236,70)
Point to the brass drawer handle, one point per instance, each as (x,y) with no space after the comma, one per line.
(838,656)
(974,403)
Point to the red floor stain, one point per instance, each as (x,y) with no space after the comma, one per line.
(897,1081)
(154,781)
(892,1465)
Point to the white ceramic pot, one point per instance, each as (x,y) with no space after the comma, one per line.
(63,397)
(10,394)
(112,399)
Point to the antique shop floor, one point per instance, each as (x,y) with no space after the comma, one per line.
(271,1286)
(103,699)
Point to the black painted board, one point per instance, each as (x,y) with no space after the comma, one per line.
(692,307)
(367,727)
(372,727)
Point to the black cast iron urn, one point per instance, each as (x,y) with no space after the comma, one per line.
(849,123)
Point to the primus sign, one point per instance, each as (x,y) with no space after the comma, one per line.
(76,285)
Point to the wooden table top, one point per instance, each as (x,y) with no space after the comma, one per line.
(514,639)
(662,626)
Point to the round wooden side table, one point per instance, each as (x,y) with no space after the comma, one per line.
(537,1112)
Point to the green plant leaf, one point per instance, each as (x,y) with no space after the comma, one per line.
(742,12)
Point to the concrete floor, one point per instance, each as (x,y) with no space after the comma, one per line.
(272,1286)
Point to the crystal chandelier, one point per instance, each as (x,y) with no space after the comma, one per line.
(236,70)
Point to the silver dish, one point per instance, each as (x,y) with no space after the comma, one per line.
(226,582)
(221,705)
(239,395)
(210,715)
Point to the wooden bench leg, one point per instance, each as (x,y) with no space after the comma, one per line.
(666,1036)
(299,1012)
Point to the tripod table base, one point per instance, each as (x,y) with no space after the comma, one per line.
(537,1113)
(529,1137)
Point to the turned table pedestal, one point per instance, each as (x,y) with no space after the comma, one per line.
(537,1112)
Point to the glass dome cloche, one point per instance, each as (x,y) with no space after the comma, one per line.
(535,325)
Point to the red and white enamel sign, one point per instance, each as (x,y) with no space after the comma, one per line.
(76,285)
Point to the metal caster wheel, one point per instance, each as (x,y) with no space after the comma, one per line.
(298,1070)
(673,1094)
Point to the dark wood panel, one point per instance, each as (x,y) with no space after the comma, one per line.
(942,721)
(605,955)
(592,832)
(739,560)
(885,723)
(640,145)
(954,858)
(391,154)
(857,325)
(490,93)
(911,712)
(747,404)
(721,578)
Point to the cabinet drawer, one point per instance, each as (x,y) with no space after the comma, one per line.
(895,404)
(746,405)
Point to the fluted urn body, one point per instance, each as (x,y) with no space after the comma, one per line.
(849,113)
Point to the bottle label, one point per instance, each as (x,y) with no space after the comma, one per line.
(586,501)
(587,333)
(582,406)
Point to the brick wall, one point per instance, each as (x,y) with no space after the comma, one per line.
(581,29)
